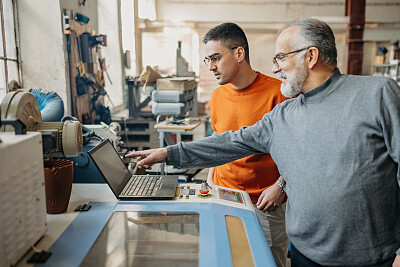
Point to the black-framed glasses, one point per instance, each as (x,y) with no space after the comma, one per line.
(215,58)
(282,56)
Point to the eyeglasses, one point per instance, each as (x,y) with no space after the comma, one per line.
(282,56)
(215,58)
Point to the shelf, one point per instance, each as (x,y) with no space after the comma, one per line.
(387,65)
(390,70)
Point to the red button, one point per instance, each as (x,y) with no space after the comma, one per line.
(203,191)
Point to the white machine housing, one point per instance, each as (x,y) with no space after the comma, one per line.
(22,195)
(105,132)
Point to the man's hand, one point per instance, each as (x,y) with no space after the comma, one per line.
(396,262)
(270,199)
(147,158)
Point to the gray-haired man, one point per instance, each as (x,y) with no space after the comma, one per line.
(337,145)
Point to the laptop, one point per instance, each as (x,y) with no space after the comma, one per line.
(126,186)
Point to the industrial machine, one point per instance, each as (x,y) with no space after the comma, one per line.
(176,96)
(60,139)
(135,103)
(200,227)
(182,66)
(85,171)
(104,131)
(24,141)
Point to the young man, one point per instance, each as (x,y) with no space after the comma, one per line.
(337,145)
(243,98)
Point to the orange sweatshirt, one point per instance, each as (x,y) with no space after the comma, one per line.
(231,109)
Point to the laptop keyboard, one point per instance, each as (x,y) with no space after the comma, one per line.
(142,185)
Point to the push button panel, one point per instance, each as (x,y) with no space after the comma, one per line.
(186,192)
(230,195)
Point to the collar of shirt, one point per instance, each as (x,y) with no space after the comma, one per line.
(324,89)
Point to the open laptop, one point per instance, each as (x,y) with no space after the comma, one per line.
(126,186)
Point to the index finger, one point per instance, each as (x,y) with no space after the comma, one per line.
(134,154)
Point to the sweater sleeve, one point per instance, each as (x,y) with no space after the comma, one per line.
(223,148)
(390,121)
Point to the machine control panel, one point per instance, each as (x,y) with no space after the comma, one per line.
(217,194)
(230,195)
(186,191)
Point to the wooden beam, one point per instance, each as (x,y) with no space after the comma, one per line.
(355,10)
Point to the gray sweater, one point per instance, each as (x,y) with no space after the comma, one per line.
(338,148)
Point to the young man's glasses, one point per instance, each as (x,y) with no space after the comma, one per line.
(282,56)
(215,58)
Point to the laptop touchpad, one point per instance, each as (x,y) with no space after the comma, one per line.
(168,186)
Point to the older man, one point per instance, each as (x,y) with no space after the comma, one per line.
(337,145)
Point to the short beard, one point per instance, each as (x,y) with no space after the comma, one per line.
(295,80)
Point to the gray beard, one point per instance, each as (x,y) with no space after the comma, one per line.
(295,80)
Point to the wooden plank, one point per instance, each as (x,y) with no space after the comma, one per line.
(189,126)
(238,242)
(72,71)
(80,28)
(83,105)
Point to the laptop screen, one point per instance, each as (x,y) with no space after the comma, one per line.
(110,165)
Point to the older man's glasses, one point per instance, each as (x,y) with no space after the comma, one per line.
(282,56)
(215,58)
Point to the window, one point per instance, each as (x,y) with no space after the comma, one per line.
(9,59)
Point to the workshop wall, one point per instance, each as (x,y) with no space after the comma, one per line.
(245,11)
(105,19)
(262,19)
(252,11)
(89,9)
(110,24)
(128,37)
(42,47)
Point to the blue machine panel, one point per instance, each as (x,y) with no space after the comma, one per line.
(214,249)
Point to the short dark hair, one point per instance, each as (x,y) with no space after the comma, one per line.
(230,35)
(314,32)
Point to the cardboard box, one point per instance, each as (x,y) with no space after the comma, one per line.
(201,108)
(176,83)
(379,60)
